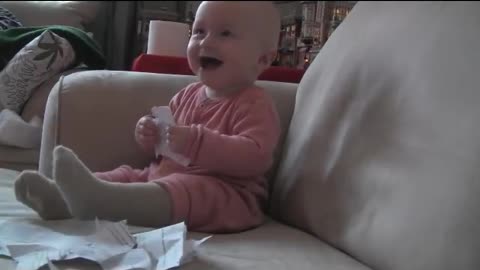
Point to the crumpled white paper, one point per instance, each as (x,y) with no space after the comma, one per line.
(34,243)
(164,118)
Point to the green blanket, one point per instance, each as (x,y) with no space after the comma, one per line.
(86,49)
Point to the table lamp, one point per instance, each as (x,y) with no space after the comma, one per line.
(168,38)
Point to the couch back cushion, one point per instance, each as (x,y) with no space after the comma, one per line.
(88,95)
(41,13)
(383,151)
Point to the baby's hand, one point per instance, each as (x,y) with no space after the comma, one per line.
(146,133)
(177,138)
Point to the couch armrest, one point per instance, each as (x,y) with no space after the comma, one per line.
(98,110)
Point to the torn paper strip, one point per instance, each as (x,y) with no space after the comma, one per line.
(166,248)
(33,243)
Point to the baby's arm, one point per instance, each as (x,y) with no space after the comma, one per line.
(247,153)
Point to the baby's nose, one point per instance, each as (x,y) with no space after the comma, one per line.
(207,41)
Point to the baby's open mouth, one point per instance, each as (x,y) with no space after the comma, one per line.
(207,62)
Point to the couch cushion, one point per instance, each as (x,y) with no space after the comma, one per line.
(39,13)
(85,95)
(18,158)
(271,246)
(382,154)
(9,206)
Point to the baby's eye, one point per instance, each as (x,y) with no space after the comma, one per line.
(198,31)
(226,33)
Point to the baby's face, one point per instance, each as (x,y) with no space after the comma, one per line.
(224,50)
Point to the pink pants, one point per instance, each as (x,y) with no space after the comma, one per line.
(204,203)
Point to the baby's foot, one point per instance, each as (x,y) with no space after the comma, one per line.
(80,188)
(42,195)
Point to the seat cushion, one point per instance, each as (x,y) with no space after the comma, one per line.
(16,158)
(9,207)
(271,246)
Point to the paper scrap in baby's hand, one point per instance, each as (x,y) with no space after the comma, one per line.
(164,118)
(163,115)
(34,243)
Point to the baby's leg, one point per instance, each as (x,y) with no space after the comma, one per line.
(42,195)
(124,174)
(211,205)
(143,204)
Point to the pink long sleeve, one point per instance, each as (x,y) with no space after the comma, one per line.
(248,150)
(234,138)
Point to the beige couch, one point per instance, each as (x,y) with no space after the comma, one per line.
(379,166)
(82,15)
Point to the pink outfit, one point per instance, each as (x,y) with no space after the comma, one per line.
(230,147)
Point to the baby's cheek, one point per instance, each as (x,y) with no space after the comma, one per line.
(192,49)
(192,62)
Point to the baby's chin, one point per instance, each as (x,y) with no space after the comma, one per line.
(212,83)
(226,86)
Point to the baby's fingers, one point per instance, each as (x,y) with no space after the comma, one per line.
(149,122)
(148,140)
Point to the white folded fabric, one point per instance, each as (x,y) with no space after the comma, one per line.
(14,131)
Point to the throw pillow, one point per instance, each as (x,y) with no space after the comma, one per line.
(43,57)
(8,20)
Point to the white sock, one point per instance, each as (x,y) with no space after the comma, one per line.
(42,195)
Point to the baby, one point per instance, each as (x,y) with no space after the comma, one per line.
(226,127)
